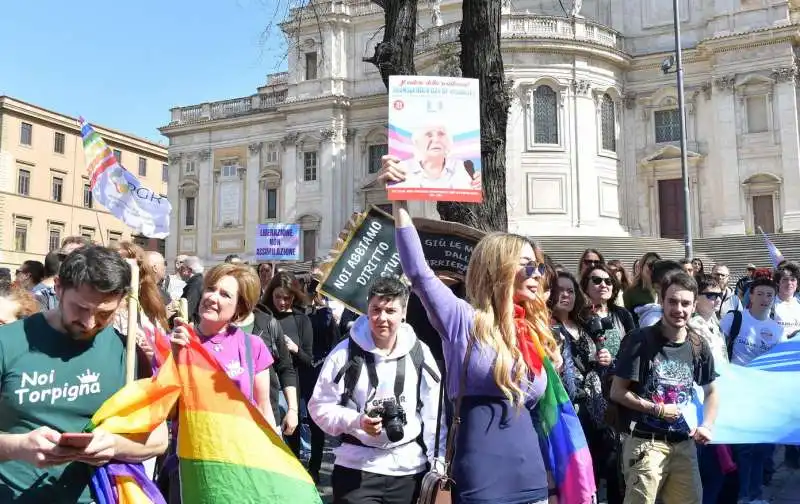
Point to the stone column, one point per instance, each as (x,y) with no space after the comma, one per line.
(252,214)
(204,205)
(174,197)
(328,164)
(626,148)
(786,94)
(288,191)
(583,146)
(349,173)
(724,160)
(516,185)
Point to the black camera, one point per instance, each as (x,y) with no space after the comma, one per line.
(393,418)
(597,325)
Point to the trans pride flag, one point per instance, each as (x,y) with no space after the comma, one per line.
(563,443)
(466,145)
(227,452)
(114,187)
(774,253)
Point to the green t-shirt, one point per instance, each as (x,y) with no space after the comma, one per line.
(47,378)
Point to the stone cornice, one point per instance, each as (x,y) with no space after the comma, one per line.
(69,124)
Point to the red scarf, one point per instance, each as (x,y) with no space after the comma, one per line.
(528,346)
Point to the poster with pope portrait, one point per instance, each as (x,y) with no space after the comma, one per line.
(434,129)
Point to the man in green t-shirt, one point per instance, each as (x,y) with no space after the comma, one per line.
(56,370)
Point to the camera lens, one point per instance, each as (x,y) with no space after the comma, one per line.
(393,421)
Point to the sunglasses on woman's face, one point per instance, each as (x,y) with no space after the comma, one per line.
(591,262)
(532,268)
(712,296)
(599,280)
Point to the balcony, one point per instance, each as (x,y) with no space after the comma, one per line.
(225,109)
(315,9)
(522,26)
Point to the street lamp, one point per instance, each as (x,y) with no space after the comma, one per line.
(666,67)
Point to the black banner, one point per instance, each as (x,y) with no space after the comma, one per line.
(368,251)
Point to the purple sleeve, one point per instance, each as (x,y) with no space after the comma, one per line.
(262,358)
(449,315)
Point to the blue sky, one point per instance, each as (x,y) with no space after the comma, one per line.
(125,63)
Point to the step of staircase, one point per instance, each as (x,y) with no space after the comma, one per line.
(733,251)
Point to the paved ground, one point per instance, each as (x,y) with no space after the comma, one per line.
(785,487)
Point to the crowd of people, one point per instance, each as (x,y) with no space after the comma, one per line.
(386,387)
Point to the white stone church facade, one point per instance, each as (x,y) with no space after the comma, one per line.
(592,138)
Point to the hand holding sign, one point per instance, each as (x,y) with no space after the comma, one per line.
(392,171)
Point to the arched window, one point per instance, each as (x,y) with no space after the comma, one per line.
(545,115)
(608,124)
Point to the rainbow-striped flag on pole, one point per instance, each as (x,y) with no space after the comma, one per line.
(226,450)
(145,211)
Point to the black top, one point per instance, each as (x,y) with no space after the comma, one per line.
(192,292)
(297,326)
(663,372)
(282,373)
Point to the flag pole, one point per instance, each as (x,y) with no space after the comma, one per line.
(133,325)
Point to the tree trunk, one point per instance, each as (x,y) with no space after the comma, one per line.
(481,58)
(395,54)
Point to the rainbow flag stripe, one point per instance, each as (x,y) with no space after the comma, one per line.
(563,443)
(227,452)
(225,443)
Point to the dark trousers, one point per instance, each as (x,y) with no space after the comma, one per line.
(351,486)
(317,446)
(605,449)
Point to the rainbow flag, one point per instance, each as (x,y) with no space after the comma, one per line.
(227,452)
(563,443)
(145,211)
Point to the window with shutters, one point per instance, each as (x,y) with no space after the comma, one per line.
(59,142)
(668,125)
(545,116)
(376,152)
(608,124)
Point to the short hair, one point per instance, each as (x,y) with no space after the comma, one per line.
(663,269)
(762,282)
(684,262)
(786,266)
(101,268)
(389,288)
(76,240)
(27,304)
(52,263)
(247,281)
(705,282)
(194,263)
(35,269)
(680,279)
(232,257)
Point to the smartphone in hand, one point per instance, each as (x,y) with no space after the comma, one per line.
(77,440)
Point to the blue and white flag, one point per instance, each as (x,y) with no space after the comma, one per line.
(117,189)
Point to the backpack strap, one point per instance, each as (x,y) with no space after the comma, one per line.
(351,372)
(736,326)
(251,365)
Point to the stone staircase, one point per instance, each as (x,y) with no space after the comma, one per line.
(733,251)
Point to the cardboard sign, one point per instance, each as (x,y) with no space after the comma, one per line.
(367,251)
(278,242)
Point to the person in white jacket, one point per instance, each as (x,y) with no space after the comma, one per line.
(380,460)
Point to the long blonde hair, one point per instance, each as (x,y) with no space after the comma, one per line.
(490,283)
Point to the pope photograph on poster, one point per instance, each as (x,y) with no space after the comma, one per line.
(434,130)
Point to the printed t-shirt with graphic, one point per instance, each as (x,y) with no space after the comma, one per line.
(756,337)
(231,354)
(787,315)
(667,379)
(49,379)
